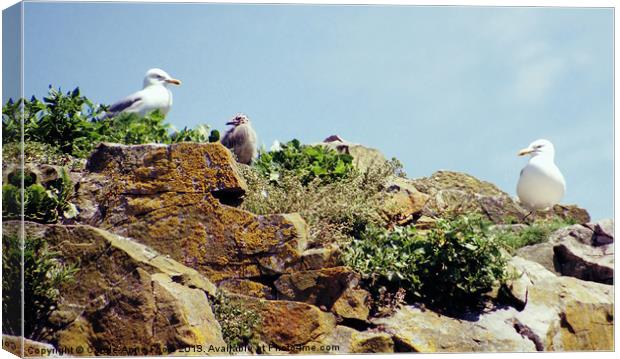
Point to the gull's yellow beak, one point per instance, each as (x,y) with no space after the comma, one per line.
(525,151)
(173,81)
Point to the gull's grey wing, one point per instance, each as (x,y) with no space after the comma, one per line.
(231,138)
(125,103)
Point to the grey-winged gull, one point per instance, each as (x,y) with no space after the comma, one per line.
(241,139)
(155,95)
(541,184)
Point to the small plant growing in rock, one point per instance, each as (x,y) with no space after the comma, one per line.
(513,238)
(239,324)
(449,267)
(43,276)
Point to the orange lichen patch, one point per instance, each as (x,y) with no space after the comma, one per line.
(163,196)
(287,324)
(246,287)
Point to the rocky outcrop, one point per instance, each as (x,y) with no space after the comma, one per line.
(175,199)
(160,235)
(455,193)
(290,326)
(556,314)
(125,295)
(363,157)
(329,288)
(581,251)
(564,313)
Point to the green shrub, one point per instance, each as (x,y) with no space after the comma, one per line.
(537,232)
(334,211)
(307,162)
(239,324)
(449,267)
(73,125)
(40,204)
(43,276)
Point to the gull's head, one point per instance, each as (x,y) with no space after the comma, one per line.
(239,119)
(538,148)
(159,77)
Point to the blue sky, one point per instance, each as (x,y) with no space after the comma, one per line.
(458,88)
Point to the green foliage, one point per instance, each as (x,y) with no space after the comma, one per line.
(40,204)
(214,136)
(43,276)
(513,238)
(448,267)
(239,324)
(71,124)
(133,129)
(334,211)
(307,162)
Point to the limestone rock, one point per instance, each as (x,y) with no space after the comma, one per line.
(317,258)
(247,287)
(363,157)
(564,313)
(125,293)
(578,255)
(426,331)
(581,251)
(352,304)
(288,325)
(348,340)
(454,193)
(320,287)
(176,199)
(402,202)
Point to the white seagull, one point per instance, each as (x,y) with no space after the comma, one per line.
(541,184)
(155,95)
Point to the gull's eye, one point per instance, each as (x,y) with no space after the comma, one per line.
(538,146)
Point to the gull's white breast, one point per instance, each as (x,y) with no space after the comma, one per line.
(153,98)
(541,184)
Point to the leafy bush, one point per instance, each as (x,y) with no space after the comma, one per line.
(334,211)
(305,161)
(43,275)
(40,204)
(60,120)
(72,124)
(513,238)
(239,324)
(449,267)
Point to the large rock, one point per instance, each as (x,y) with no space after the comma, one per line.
(125,295)
(555,314)
(320,287)
(581,251)
(402,202)
(415,329)
(176,199)
(348,340)
(363,157)
(579,254)
(288,325)
(457,193)
(563,313)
